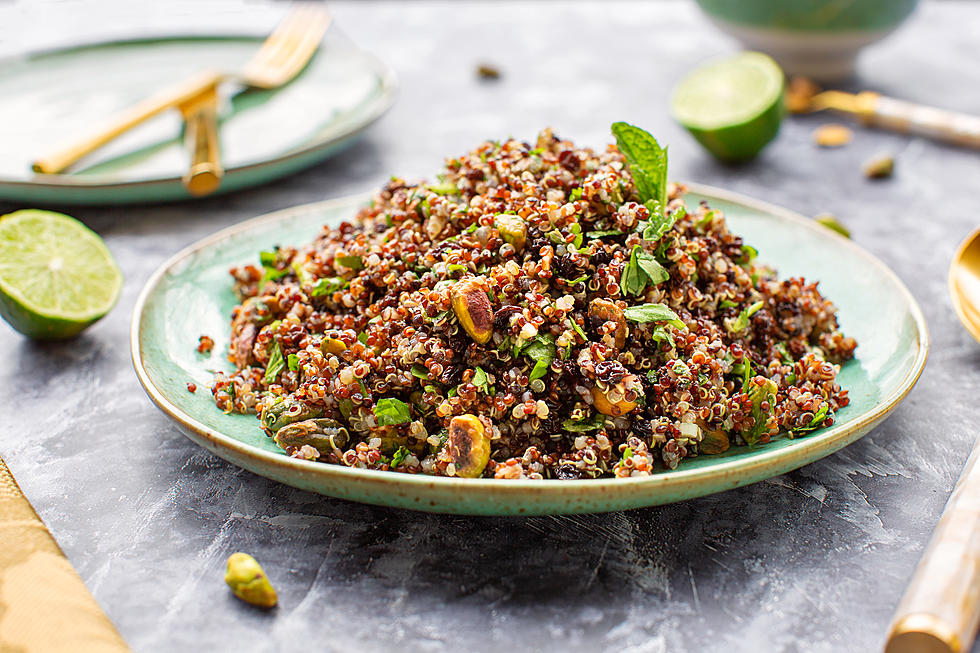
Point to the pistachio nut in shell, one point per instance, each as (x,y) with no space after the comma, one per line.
(248,581)
(468,446)
(472,308)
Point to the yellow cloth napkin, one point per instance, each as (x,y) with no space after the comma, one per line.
(44,605)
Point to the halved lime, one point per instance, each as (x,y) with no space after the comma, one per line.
(732,106)
(56,275)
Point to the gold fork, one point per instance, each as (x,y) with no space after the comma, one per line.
(282,56)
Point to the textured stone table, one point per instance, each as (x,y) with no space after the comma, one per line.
(814,560)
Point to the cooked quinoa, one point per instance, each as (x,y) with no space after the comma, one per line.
(512,321)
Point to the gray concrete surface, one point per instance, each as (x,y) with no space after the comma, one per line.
(814,560)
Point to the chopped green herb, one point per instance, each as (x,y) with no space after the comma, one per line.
(760,394)
(725,303)
(642,269)
(660,334)
(602,233)
(540,369)
(275,364)
(748,255)
(578,329)
(444,188)
(346,407)
(452,392)
(572,282)
(741,322)
(594,423)
(420,371)
(816,422)
(653,313)
(362,337)
(627,453)
(575,194)
(352,262)
(270,264)
(292,361)
(398,457)
(328,286)
(482,381)
(391,411)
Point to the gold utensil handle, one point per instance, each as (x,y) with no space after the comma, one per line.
(201,140)
(941,606)
(901,116)
(58,161)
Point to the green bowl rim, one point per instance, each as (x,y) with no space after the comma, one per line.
(801,451)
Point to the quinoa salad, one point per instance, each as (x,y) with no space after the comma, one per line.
(541,311)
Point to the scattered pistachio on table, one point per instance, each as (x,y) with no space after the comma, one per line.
(879,167)
(487,71)
(799,94)
(831,222)
(832,135)
(248,582)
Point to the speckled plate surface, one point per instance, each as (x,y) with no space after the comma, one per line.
(191,295)
(53,96)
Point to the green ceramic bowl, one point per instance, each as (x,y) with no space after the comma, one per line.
(816,38)
(191,295)
(53,96)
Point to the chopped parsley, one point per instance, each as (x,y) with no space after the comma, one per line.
(389,411)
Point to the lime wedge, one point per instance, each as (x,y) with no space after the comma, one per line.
(56,275)
(732,106)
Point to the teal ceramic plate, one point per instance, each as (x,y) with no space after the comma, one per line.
(191,295)
(52,96)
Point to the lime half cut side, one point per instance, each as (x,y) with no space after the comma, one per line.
(56,275)
(732,106)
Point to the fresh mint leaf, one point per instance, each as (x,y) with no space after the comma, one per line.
(541,349)
(647,162)
(389,411)
(292,361)
(655,272)
(275,364)
(653,313)
(420,371)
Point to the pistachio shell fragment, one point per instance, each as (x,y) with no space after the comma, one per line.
(607,311)
(468,446)
(512,229)
(285,411)
(610,402)
(832,135)
(879,167)
(713,441)
(472,308)
(248,582)
(323,434)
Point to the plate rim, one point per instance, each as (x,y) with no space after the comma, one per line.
(389,89)
(789,456)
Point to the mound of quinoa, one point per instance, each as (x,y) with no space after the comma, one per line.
(364,315)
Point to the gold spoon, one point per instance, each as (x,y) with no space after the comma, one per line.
(941,607)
